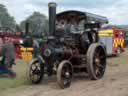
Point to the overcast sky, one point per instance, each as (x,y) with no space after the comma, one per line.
(115,10)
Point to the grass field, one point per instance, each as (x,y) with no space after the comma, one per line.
(21,69)
(21,79)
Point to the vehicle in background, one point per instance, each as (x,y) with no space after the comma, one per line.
(126,39)
(113,38)
(15,37)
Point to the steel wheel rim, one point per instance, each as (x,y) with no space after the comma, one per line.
(35,72)
(99,62)
(66,76)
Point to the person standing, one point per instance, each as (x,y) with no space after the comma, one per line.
(9,56)
(36,48)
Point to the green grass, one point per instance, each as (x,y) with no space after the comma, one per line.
(21,78)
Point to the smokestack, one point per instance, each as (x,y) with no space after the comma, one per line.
(27,28)
(52,17)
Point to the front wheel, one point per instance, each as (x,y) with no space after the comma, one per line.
(64,74)
(36,71)
(96,61)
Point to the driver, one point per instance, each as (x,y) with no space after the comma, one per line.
(60,27)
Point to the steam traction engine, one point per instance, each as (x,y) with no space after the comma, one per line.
(72,46)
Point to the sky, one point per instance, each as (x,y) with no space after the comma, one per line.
(115,10)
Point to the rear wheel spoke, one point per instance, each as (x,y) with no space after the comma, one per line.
(100,66)
(102,57)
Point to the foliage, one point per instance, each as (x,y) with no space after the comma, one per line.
(5,19)
(38,23)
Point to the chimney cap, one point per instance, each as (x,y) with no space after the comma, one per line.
(52,4)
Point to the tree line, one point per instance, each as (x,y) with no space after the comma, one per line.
(38,23)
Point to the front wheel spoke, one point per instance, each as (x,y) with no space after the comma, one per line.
(38,68)
(67,80)
(38,72)
(33,67)
(66,76)
(99,72)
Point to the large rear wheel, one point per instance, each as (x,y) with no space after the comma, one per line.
(96,61)
(64,74)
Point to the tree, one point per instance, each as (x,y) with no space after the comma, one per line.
(38,23)
(5,19)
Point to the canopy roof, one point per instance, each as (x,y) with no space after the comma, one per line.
(78,15)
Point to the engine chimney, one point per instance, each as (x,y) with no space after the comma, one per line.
(27,28)
(52,17)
